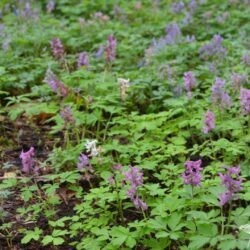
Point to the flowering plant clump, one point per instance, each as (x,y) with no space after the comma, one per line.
(83,60)
(117,116)
(238,80)
(177,7)
(209,122)
(219,95)
(110,49)
(232,181)
(28,160)
(189,82)
(57,48)
(55,84)
(173,33)
(192,175)
(134,177)
(214,48)
(84,165)
(67,115)
(245,100)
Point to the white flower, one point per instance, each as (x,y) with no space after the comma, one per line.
(124,85)
(91,147)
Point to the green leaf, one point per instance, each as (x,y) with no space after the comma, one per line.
(58,241)
(47,239)
(174,220)
(198,241)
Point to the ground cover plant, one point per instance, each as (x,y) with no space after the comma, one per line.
(124,124)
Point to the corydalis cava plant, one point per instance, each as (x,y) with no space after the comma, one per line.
(219,95)
(57,48)
(110,49)
(28,160)
(209,122)
(67,115)
(55,84)
(213,48)
(84,165)
(232,181)
(134,177)
(245,100)
(192,174)
(189,82)
(83,60)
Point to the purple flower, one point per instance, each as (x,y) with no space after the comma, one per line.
(117,167)
(232,182)
(57,48)
(245,100)
(28,160)
(189,82)
(192,5)
(246,59)
(214,48)
(209,122)
(219,95)
(83,60)
(84,165)
(55,84)
(134,177)
(238,80)
(50,6)
(99,52)
(192,175)
(177,7)
(139,203)
(173,33)
(67,115)
(110,49)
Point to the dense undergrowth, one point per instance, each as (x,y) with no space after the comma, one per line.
(125,124)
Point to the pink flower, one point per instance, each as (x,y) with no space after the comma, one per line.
(245,100)
(28,160)
(57,48)
(209,122)
(192,175)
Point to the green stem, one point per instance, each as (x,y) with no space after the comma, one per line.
(222,222)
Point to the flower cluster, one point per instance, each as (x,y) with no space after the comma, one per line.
(214,48)
(67,115)
(124,85)
(238,80)
(134,177)
(28,160)
(246,59)
(91,147)
(110,49)
(55,84)
(192,175)
(50,6)
(57,48)
(189,81)
(232,182)
(209,122)
(83,60)
(219,95)
(177,7)
(245,100)
(173,33)
(84,165)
